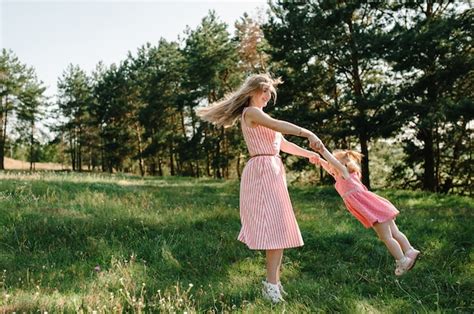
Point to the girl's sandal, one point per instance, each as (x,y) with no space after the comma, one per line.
(403,265)
(413,254)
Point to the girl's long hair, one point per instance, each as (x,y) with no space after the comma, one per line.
(227,110)
(350,158)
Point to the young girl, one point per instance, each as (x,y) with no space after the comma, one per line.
(266,213)
(370,209)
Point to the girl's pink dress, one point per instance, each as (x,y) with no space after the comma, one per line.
(366,206)
(266,213)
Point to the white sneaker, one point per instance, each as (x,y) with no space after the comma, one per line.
(271,292)
(282,291)
(403,265)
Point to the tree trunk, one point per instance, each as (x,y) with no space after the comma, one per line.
(429,181)
(3,132)
(225,154)
(91,162)
(354,61)
(102,154)
(32,143)
(140,150)
(170,147)
(365,160)
(72,152)
(198,173)
(438,158)
(160,168)
(208,164)
(183,127)
(217,156)
(2,136)
(358,91)
(193,124)
(79,149)
(238,166)
(179,164)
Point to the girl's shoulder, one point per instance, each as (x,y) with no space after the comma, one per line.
(338,177)
(352,175)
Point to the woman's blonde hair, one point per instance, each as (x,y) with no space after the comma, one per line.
(227,110)
(350,158)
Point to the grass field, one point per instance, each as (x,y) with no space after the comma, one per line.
(116,243)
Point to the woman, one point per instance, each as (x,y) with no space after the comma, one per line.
(266,213)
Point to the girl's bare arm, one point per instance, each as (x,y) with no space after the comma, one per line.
(325,165)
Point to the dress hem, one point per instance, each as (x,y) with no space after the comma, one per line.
(372,223)
(272,247)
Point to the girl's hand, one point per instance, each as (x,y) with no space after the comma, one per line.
(315,159)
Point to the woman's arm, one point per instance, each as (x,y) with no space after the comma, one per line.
(256,116)
(340,168)
(293,149)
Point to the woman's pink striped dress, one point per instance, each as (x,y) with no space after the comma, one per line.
(267,217)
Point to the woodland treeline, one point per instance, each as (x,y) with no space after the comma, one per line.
(354,73)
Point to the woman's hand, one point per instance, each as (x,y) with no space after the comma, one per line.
(315,143)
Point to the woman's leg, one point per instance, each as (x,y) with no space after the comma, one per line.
(400,237)
(273,265)
(279,267)
(385,234)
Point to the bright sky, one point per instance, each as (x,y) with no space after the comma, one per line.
(49,35)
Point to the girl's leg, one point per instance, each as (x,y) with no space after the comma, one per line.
(385,234)
(400,237)
(273,265)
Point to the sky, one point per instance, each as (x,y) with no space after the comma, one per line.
(49,35)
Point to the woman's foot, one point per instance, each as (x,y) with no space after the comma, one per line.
(403,265)
(271,292)
(282,291)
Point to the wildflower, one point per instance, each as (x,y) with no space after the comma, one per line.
(97,268)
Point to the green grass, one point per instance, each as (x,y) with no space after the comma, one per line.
(169,245)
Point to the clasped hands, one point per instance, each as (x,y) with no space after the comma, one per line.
(317,145)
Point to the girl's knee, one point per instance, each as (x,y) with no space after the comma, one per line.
(385,237)
(397,234)
(383,234)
